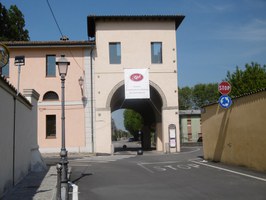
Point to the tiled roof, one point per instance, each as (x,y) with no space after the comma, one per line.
(242,95)
(60,43)
(13,89)
(92,19)
(250,93)
(189,112)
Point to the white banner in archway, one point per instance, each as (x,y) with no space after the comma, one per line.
(137,84)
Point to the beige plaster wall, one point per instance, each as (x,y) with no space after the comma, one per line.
(237,135)
(135,39)
(18,136)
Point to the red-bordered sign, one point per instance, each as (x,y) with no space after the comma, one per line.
(224,88)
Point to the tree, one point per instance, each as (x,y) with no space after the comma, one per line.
(244,81)
(12,24)
(204,94)
(185,98)
(197,96)
(133,122)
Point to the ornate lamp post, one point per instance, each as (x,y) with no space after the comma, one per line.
(62,67)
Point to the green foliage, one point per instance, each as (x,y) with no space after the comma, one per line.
(197,96)
(251,79)
(204,94)
(185,98)
(117,133)
(12,24)
(133,121)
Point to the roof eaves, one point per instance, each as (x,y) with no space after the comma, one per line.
(25,44)
(91,20)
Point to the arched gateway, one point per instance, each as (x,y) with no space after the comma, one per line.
(138,43)
(150,109)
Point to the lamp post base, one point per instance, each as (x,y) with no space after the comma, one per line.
(64,177)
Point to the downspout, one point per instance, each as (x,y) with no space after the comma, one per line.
(14,139)
(92,121)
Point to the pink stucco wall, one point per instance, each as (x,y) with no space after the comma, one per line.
(33,75)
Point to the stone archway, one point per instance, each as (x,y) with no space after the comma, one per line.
(150,110)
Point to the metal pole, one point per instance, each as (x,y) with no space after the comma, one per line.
(63,153)
(19,69)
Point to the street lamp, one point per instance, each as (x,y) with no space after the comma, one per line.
(62,68)
(81,82)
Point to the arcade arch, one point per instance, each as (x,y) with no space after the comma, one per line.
(149,109)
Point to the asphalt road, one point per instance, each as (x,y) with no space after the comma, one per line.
(154,176)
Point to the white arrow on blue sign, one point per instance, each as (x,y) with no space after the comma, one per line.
(225,101)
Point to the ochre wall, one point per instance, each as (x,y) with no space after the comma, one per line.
(237,135)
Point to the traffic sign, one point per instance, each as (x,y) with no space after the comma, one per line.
(225,101)
(4,55)
(224,87)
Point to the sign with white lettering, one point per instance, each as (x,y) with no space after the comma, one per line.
(137,84)
(224,88)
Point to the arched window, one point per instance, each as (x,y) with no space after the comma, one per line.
(50,96)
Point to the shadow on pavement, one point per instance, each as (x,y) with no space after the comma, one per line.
(29,187)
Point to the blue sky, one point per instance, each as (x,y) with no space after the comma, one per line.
(215,36)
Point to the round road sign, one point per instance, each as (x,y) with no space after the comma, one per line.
(224,87)
(225,101)
(4,55)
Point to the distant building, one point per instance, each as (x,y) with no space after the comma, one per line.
(190,126)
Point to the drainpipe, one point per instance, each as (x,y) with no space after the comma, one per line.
(14,140)
(92,121)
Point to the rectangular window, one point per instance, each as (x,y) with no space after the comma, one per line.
(156,53)
(50,66)
(115,53)
(5,70)
(50,126)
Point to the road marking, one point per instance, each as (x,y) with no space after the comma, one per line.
(187,152)
(167,166)
(230,171)
(102,159)
(141,165)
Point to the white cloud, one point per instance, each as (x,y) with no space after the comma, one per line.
(255,30)
(212,7)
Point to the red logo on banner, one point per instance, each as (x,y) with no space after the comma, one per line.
(136,77)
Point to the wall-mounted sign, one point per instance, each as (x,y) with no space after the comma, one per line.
(137,84)
(172,135)
(173,143)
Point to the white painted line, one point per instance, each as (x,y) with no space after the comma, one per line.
(156,163)
(230,171)
(141,165)
(78,165)
(187,152)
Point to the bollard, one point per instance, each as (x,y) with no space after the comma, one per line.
(74,191)
(167,148)
(59,173)
(140,152)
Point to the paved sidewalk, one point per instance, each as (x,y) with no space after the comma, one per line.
(36,185)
